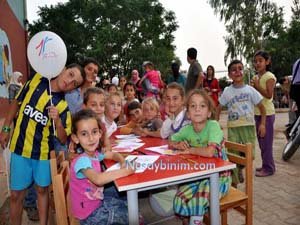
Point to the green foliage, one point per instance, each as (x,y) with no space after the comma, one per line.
(119,34)
(249,24)
(224,82)
(259,24)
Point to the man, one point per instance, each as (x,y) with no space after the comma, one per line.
(195,74)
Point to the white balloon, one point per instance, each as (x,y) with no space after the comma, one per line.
(47,54)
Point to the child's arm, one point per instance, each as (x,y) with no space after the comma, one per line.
(13,109)
(262,125)
(60,130)
(268,92)
(106,143)
(101,179)
(128,128)
(208,151)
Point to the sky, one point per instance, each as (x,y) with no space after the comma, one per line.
(199,27)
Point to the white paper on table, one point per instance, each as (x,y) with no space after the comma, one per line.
(141,162)
(127,146)
(163,149)
(126,136)
(129,140)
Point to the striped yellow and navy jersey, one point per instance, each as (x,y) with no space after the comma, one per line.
(33,134)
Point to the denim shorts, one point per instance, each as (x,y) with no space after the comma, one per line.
(25,171)
(113,211)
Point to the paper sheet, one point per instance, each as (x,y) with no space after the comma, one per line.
(126,146)
(163,149)
(140,162)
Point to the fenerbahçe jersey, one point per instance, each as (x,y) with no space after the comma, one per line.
(33,134)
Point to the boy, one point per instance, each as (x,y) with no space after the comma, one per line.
(240,100)
(135,116)
(33,136)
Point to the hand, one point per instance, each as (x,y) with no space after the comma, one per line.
(182,145)
(53,113)
(255,81)
(261,130)
(72,147)
(4,138)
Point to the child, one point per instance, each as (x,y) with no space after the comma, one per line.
(33,136)
(152,121)
(153,81)
(176,110)
(135,116)
(94,99)
(264,83)
(129,93)
(112,111)
(89,204)
(112,88)
(202,137)
(122,83)
(240,100)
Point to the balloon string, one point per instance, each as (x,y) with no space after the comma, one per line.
(54,130)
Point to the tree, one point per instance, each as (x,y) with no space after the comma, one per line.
(249,25)
(119,34)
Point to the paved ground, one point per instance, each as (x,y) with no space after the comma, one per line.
(276,198)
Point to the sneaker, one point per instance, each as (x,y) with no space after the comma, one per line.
(32,213)
(263,173)
(258,169)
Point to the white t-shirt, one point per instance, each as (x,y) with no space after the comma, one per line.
(240,102)
(171,126)
(110,127)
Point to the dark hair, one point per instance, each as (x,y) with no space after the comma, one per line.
(233,62)
(210,103)
(89,60)
(129,84)
(92,90)
(111,85)
(213,71)
(134,105)
(84,114)
(266,56)
(175,70)
(82,73)
(192,53)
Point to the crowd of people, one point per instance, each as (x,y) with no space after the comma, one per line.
(82,117)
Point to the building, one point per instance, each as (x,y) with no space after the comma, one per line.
(13,44)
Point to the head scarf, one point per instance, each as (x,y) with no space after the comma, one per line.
(14,78)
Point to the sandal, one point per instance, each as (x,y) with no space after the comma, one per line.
(32,213)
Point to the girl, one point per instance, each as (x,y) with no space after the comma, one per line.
(112,88)
(129,93)
(122,83)
(113,107)
(94,99)
(211,84)
(176,110)
(153,82)
(89,204)
(151,114)
(202,137)
(14,85)
(264,83)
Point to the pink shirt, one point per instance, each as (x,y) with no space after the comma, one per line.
(85,196)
